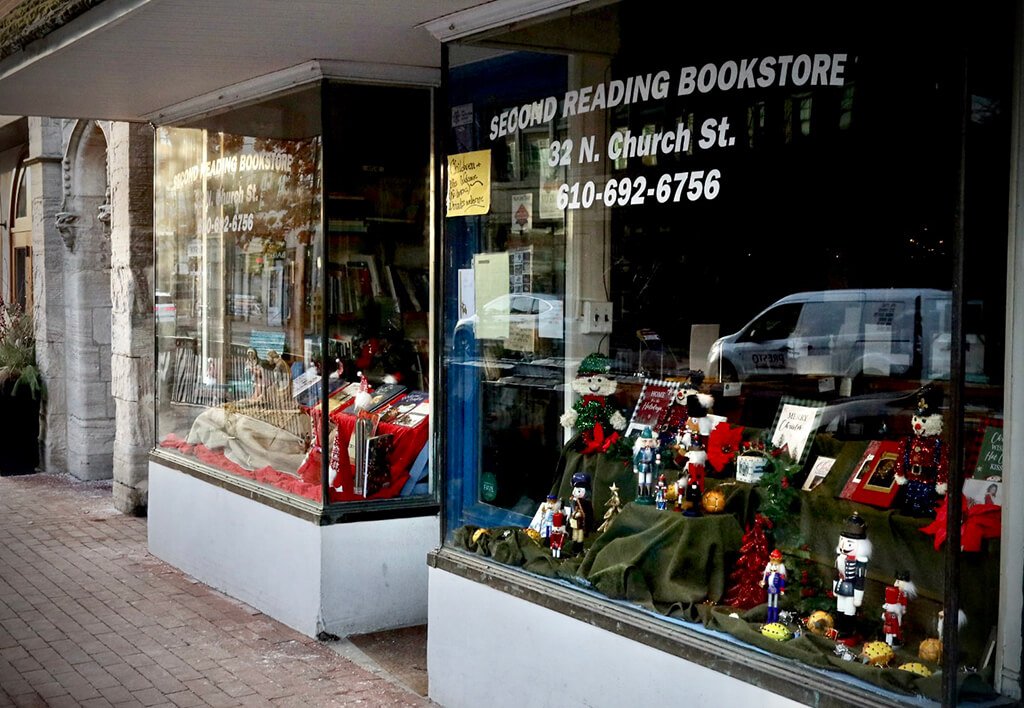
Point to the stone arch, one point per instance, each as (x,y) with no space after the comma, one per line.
(84,225)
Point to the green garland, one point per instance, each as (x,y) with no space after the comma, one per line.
(590,413)
(779,494)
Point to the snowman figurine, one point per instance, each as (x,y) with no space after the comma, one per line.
(593,415)
(922,459)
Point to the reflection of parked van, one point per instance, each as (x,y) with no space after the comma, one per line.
(898,332)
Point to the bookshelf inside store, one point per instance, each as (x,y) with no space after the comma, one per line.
(376,274)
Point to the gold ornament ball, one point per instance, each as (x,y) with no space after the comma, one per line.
(931,650)
(877,654)
(534,535)
(820,622)
(713,501)
(672,493)
(916,668)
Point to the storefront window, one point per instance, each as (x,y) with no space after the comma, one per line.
(703,276)
(290,253)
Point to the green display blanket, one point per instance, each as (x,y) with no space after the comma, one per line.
(662,560)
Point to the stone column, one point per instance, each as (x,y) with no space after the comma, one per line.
(133,362)
(87,308)
(45,173)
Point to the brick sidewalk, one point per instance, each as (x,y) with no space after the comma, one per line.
(89,618)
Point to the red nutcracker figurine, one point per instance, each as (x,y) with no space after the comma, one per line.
(895,606)
(557,535)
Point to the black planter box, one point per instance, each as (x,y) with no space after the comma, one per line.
(19,413)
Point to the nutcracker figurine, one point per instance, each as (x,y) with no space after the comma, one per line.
(557,535)
(692,437)
(660,489)
(690,489)
(543,520)
(774,583)
(852,555)
(645,459)
(581,517)
(895,607)
(674,420)
(922,459)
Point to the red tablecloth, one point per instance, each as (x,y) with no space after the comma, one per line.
(406,445)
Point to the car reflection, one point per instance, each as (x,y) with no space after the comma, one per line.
(900,332)
(530,312)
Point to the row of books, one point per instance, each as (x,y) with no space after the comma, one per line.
(351,284)
(392,403)
(410,287)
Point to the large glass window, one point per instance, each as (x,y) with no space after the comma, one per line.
(291,253)
(699,305)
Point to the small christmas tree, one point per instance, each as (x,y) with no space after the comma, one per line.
(745,589)
(812,589)
(614,505)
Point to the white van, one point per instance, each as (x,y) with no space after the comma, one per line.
(901,333)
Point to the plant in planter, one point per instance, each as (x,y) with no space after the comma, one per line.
(21,391)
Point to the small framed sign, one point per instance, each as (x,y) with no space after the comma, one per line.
(795,424)
(874,478)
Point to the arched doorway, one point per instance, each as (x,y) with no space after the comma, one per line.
(84,223)
(20,256)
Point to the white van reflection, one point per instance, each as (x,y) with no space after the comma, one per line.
(848,333)
(526,310)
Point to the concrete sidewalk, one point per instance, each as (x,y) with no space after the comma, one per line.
(89,618)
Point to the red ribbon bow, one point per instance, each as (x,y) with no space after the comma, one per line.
(595,440)
(980,521)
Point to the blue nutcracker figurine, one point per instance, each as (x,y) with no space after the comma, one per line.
(645,464)
(774,582)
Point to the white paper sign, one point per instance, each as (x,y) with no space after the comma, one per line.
(549,323)
(794,428)
(522,212)
(467,297)
(490,285)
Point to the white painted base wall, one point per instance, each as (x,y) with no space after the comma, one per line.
(343,579)
(478,633)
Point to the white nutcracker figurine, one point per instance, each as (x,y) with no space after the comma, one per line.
(543,520)
(852,554)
